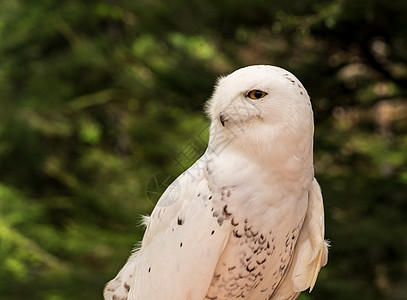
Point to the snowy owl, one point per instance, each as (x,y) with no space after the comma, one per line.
(246,221)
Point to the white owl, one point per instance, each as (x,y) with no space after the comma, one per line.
(246,221)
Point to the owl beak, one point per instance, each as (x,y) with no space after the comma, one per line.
(222,120)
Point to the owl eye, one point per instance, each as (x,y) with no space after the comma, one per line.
(256,94)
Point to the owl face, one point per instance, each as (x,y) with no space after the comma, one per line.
(258,103)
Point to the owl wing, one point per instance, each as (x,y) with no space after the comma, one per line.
(181,246)
(311,252)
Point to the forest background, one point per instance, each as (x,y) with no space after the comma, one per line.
(102,106)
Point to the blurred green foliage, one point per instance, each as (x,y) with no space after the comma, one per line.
(101,105)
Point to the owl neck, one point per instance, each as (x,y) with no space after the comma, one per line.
(277,150)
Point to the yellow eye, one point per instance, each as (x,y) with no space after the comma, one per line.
(256,94)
